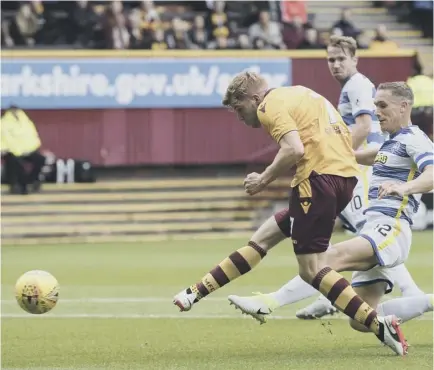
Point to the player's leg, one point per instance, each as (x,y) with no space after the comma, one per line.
(406,308)
(269,234)
(404,281)
(312,227)
(320,199)
(354,254)
(390,241)
(353,219)
(323,274)
(371,285)
(293,291)
(339,291)
(297,289)
(314,206)
(371,294)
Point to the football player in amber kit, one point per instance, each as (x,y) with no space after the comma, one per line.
(313,137)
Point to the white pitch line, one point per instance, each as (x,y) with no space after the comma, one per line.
(160,316)
(121,300)
(54,368)
(127,316)
(133,300)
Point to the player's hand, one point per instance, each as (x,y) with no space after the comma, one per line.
(253,183)
(391,188)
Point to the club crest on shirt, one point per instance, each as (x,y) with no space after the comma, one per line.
(396,148)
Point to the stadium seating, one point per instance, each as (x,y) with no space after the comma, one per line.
(367,18)
(133,210)
(367,15)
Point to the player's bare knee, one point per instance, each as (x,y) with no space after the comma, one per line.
(268,235)
(333,259)
(310,265)
(265,243)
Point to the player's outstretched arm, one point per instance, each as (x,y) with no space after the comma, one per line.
(366,157)
(290,152)
(423,184)
(361,130)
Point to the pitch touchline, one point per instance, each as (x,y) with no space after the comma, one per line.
(160,316)
(120,300)
(130,300)
(54,368)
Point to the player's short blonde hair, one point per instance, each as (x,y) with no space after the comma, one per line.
(345,43)
(400,89)
(241,86)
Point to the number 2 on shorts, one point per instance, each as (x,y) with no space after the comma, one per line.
(383,229)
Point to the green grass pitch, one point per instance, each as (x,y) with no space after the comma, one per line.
(115,312)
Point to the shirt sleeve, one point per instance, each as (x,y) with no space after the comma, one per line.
(276,119)
(420,149)
(361,97)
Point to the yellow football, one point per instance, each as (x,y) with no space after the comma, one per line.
(37,292)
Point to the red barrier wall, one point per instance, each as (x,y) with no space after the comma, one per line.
(186,136)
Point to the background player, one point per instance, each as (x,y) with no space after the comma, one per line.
(311,135)
(356,106)
(403,170)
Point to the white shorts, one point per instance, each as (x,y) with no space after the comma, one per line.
(391,240)
(352,216)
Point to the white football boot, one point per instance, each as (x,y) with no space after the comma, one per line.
(258,306)
(321,307)
(391,334)
(184,300)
